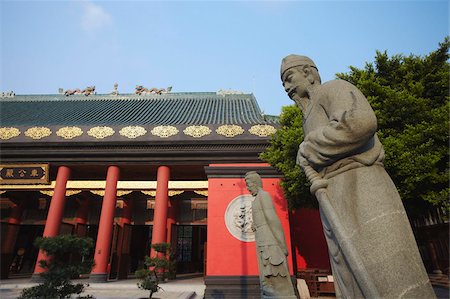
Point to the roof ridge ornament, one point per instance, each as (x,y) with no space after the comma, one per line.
(224,92)
(87,91)
(9,94)
(141,90)
(115,92)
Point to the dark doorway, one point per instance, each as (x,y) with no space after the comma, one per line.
(25,253)
(141,236)
(190,248)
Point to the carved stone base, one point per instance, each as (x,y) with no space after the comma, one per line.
(232,287)
(236,287)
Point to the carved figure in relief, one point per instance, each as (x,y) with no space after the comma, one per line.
(372,248)
(87,91)
(142,90)
(271,249)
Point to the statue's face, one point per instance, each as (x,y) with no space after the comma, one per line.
(295,83)
(251,187)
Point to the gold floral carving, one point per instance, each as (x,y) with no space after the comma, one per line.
(164,131)
(47,192)
(8,133)
(197,131)
(1,192)
(262,130)
(72,192)
(175,192)
(123,192)
(132,131)
(201,192)
(98,192)
(229,130)
(152,193)
(69,132)
(38,132)
(149,193)
(100,132)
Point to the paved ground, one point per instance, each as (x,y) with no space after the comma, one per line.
(192,288)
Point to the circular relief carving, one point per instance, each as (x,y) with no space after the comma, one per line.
(262,130)
(100,132)
(164,131)
(132,131)
(8,133)
(69,132)
(38,132)
(230,130)
(197,131)
(238,218)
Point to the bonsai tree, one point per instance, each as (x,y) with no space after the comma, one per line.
(60,269)
(158,268)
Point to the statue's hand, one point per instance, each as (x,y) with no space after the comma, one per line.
(301,160)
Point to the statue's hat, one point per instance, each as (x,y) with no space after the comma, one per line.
(293,60)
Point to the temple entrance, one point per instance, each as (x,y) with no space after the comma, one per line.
(190,249)
(139,248)
(22,259)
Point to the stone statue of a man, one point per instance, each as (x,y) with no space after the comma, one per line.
(371,245)
(271,247)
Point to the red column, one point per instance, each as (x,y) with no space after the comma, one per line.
(55,211)
(104,236)
(14,218)
(171,219)
(159,232)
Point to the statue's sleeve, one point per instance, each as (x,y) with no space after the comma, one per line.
(351,124)
(273,221)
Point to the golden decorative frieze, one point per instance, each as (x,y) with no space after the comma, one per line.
(72,192)
(230,130)
(69,132)
(98,192)
(121,185)
(8,133)
(262,130)
(201,192)
(175,192)
(100,132)
(38,132)
(123,192)
(151,193)
(164,131)
(132,131)
(197,131)
(47,192)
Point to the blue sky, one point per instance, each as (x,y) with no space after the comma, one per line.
(202,45)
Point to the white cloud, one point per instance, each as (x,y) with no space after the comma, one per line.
(94,17)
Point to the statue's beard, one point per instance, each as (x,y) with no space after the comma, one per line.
(301,102)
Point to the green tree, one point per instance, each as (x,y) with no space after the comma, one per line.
(157,269)
(410,97)
(61,268)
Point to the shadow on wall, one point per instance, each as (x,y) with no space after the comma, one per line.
(308,240)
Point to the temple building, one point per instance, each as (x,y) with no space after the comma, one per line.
(129,170)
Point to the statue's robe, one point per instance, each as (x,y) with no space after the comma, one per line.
(341,144)
(270,248)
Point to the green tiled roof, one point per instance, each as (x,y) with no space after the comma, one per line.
(172,108)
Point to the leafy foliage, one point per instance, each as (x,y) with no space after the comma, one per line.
(410,97)
(157,269)
(282,154)
(60,269)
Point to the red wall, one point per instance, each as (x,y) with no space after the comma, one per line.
(227,255)
(309,241)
